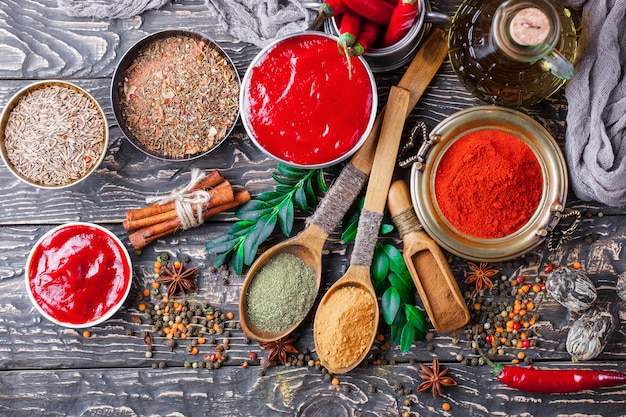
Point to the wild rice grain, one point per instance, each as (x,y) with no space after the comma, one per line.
(54,136)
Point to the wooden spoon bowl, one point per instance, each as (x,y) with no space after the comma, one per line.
(357,276)
(307,246)
(428,266)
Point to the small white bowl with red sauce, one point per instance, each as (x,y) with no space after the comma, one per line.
(78,275)
(304,105)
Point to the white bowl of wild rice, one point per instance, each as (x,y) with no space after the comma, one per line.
(175,95)
(53,134)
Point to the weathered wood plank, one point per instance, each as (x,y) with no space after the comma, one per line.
(41,41)
(292,391)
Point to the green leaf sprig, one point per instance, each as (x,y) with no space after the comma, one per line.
(393,283)
(260,216)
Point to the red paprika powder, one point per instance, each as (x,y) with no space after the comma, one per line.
(488,184)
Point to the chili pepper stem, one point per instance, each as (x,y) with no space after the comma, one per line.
(496,368)
(346,52)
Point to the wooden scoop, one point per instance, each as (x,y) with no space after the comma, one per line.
(309,243)
(427,265)
(358,273)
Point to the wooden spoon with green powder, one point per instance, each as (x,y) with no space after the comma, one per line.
(347,316)
(309,243)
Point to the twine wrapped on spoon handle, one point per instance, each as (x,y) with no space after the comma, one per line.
(406,221)
(338,199)
(366,238)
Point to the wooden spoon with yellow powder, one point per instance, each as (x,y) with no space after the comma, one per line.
(347,316)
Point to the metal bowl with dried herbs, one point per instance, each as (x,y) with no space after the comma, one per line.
(53,134)
(175,95)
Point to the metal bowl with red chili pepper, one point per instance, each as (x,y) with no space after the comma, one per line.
(383,57)
(175,95)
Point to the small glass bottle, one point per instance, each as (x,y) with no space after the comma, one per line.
(514,52)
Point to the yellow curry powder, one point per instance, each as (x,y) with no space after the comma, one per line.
(344,326)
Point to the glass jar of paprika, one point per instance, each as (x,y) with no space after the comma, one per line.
(490,184)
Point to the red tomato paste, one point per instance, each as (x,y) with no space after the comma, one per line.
(78,274)
(301,103)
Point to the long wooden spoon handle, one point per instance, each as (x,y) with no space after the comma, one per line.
(380,178)
(387,150)
(416,79)
(353,177)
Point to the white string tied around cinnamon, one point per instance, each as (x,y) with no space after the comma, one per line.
(189,204)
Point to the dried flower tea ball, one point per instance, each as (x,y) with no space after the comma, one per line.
(571,288)
(589,335)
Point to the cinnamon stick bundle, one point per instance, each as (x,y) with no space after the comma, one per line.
(157,220)
(212,179)
(221,194)
(142,237)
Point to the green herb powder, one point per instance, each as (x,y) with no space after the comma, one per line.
(281,293)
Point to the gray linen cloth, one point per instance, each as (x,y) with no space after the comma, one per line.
(106,9)
(259,22)
(595,138)
(254,21)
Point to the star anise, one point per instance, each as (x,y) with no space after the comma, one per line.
(280,348)
(435,379)
(178,279)
(480,275)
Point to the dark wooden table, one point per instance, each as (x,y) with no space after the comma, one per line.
(47,370)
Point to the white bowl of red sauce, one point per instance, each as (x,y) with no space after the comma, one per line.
(304,104)
(78,274)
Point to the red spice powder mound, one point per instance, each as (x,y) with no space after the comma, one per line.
(488,184)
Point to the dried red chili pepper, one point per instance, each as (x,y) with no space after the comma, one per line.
(556,381)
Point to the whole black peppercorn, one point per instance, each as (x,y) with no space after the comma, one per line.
(171,344)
